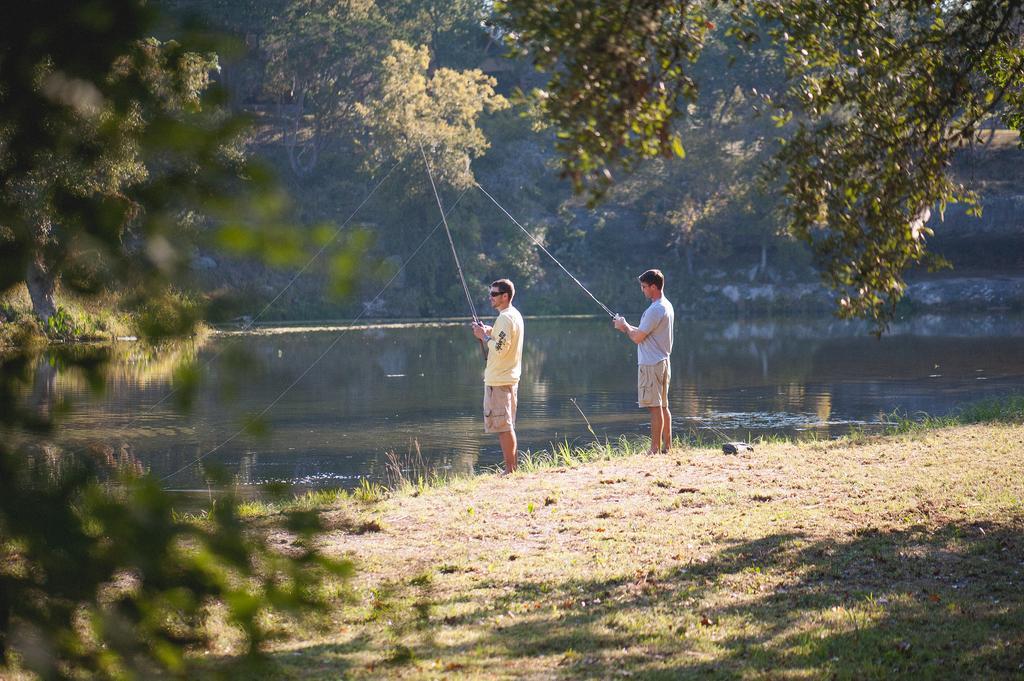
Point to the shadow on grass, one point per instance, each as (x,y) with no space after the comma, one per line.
(314,662)
(941,603)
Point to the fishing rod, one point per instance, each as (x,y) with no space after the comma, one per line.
(546,251)
(736,446)
(252,321)
(451,242)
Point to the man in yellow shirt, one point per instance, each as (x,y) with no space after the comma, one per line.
(504,344)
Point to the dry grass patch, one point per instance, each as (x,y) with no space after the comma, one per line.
(887,557)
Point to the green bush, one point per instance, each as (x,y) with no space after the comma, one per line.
(61,325)
(108,581)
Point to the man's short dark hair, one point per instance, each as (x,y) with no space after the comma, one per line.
(653,277)
(505,286)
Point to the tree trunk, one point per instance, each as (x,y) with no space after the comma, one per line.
(44,391)
(5,623)
(41,285)
(302,153)
(764,253)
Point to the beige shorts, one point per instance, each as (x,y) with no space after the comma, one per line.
(652,384)
(500,403)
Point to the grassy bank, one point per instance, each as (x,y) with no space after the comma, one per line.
(90,319)
(891,556)
(77,319)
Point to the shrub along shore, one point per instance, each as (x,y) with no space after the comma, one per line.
(78,320)
(890,556)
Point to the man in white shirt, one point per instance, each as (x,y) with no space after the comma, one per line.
(504,344)
(653,340)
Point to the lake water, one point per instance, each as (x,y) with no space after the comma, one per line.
(402,387)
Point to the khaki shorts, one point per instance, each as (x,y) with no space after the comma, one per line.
(652,384)
(500,403)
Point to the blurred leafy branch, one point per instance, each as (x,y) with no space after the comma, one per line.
(109,140)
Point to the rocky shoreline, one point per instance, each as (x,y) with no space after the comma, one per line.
(953,294)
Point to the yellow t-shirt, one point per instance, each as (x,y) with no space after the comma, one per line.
(505,349)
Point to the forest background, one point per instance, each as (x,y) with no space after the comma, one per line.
(119,171)
(309,75)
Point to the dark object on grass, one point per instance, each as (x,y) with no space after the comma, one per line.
(737,447)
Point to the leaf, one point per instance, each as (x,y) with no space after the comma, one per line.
(677,147)
(256,426)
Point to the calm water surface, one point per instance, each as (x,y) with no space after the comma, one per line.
(396,388)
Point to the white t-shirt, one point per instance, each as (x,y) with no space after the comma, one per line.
(658,322)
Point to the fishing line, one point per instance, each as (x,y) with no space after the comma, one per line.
(324,247)
(266,307)
(717,431)
(330,347)
(248,325)
(580,284)
(451,242)
(585,419)
(546,251)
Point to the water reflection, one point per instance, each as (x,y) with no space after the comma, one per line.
(396,388)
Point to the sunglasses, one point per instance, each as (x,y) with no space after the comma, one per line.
(495,294)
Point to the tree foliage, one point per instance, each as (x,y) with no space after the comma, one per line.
(876,98)
(174,80)
(884,96)
(107,140)
(619,76)
(115,584)
(325,57)
(413,108)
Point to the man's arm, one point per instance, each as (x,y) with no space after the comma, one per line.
(635,333)
(499,338)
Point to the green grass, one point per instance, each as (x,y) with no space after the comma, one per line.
(566,454)
(77,319)
(868,557)
(369,492)
(995,410)
(1004,410)
(308,501)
